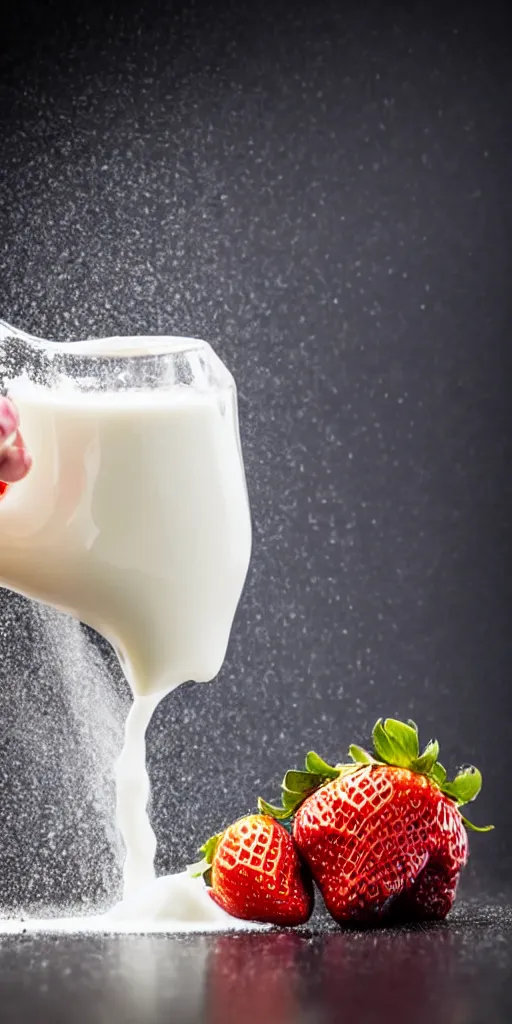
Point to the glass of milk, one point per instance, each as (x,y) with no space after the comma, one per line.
(135,516)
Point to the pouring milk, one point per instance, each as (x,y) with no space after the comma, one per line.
(134,519)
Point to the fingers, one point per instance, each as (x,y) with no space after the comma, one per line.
(15,461)
(8,422)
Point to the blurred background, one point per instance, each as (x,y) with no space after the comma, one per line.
(323,191)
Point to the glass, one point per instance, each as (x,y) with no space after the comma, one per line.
(134,517)
(112,364)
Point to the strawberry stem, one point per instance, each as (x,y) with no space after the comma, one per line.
(203,867)
(396,744)
(298,785)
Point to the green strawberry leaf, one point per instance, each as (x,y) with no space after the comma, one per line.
(424,764)
(209,847)
(298,785)
(431,748)
(438,773)
(404,737)
(359,755)
(291,801)
(384,748)
(476,828)
(395,742)
(465,786)
(203,867)
(302,782)
(279,813)
(317,766)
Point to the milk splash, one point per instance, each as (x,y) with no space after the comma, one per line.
(172,902)
(91,722)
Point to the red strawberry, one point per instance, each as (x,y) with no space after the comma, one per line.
(384,837)
(256,872)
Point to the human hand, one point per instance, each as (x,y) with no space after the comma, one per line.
(15,460)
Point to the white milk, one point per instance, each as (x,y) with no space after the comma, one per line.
(132,798)
(135,519)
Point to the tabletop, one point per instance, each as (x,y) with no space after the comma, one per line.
(454,973)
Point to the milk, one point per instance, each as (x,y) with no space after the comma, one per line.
(132,798)
(135,519)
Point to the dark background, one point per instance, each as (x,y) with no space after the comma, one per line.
(323,191)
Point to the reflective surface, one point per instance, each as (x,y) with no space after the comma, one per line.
(456,973)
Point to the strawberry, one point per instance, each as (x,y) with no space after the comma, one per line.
(384,837)
(256,873)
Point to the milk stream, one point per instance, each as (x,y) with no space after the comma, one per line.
(135,520)
(132,799)
(171,903)
(177,902)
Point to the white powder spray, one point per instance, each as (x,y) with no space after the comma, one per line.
(67,725)
(66,731)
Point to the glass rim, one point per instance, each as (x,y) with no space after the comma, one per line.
(139,362)
(130,346)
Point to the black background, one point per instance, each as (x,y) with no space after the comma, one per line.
(323,191)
